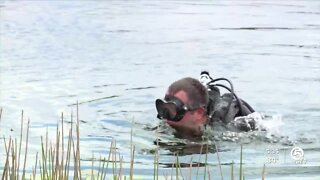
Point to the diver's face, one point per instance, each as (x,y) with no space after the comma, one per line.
(191,120)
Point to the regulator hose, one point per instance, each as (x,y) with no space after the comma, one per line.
(231,90)
(234,94)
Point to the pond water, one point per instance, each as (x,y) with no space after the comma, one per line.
(116,57)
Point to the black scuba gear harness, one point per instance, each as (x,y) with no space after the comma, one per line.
(227,106)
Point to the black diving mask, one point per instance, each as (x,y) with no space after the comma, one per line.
(171,108)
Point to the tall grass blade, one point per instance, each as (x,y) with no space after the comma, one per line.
(6,166)
(131,163)
(12,169)
(26,151)
(232,176)
(75,162)
(199,161)
(102,168)
(120,170)
(68,159)
(34,173)
(57,148)
(154,166)
(131,152)
(217,151)
(177,171)
(78,141)
(14,154)
(209,174)
(62,148)
(240,173)
(47,162)
(92,164)
(41,170)
(42,154)
(21,129)
(114,160)
(157,154)
(110,154)
(100,159)
(206,163)
(51,160)
(180,169)
(263,171)
(190,169)
(157,163)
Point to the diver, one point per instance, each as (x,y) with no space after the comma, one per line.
(190,105)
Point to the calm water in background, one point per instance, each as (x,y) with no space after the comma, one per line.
(117,57)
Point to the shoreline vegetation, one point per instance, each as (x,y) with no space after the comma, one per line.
(61,160)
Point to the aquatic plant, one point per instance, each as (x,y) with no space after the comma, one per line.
(55,159)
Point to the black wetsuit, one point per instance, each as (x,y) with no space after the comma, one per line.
(224,109)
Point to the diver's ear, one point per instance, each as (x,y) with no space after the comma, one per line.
(201,111)
(201,115)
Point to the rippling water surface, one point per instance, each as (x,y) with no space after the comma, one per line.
(116,57)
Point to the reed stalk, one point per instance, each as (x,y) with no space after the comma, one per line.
(176,166)
(114,160)
(26,151)
(51,160)
(92,165)
(209,174)
(57,148)
(109,156)
(240,173)
(68,158)
(132,148)
(206,161)
(44,161)
(7,149)
(100,160)
(190,169)
(172,170)
(232,176)
(120,170)
(201,148)
(11,170)
(154,166)
(101,171)
(75,171)
(217,150)
(21,130)
(156,157)
(47,161)
(34,172)
(263,171)
(67,163)
(78,141)
(180,169)
(131,163)
(62,148)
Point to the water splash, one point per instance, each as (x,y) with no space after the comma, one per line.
(268,129)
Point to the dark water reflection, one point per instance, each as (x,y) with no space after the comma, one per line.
(116,57)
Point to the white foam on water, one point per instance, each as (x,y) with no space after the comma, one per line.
(271,124)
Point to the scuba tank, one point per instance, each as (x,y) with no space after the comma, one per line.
(226,107)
